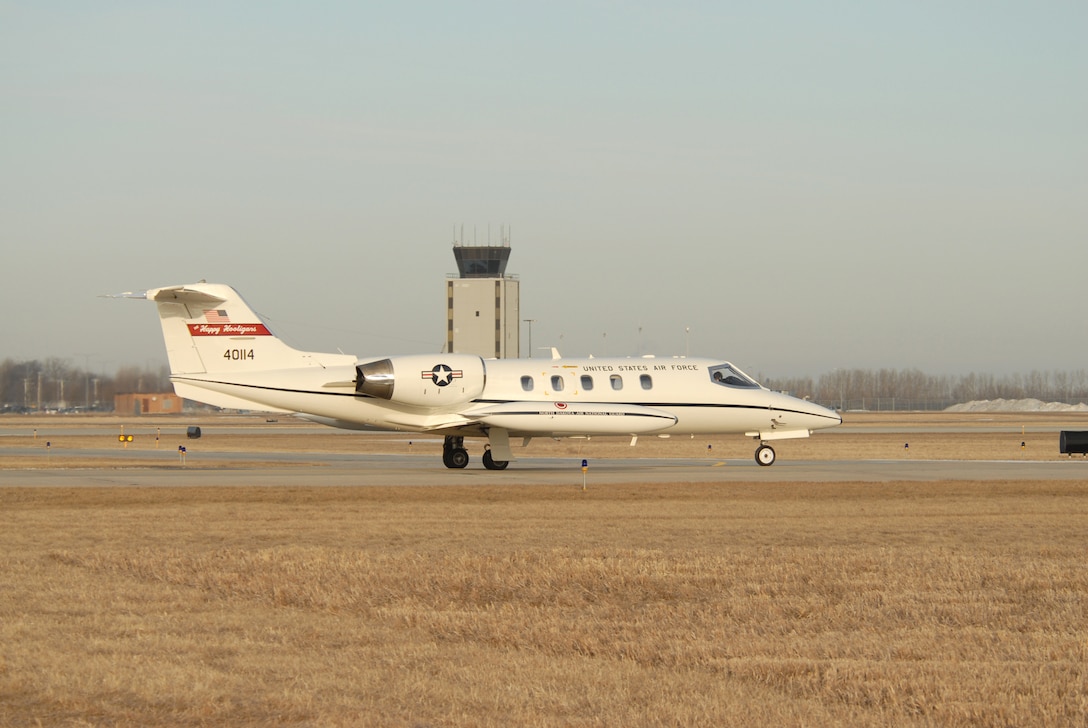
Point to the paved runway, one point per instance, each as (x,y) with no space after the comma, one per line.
(306,470)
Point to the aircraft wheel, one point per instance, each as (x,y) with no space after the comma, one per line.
(492,464)
(765,455)
(456,458)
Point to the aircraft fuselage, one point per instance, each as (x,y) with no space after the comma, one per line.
(527,397)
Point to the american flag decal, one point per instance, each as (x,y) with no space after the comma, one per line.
(214,316)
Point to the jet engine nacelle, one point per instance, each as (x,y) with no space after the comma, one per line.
(422,380)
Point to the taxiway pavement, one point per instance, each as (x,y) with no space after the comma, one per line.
(311,470)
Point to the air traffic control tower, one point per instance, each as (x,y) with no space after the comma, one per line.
(482,303)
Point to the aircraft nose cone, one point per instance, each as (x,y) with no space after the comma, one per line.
(822,416)
(807,415)
(833,418)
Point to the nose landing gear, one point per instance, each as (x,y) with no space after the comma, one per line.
(765,455)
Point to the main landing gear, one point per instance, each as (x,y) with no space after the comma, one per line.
(455,456)
(492,464)
(765,454)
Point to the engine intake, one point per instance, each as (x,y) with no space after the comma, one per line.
(375,379)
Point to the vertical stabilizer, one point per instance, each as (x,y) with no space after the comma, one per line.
(208,328)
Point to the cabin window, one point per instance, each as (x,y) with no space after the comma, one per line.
(646,381)
(727,375)
(557,383)
(617,382)
(587,382)
(527,384)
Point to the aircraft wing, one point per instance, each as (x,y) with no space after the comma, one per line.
(560,418)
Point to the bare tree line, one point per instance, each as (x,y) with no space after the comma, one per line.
(55,384)
(913,389)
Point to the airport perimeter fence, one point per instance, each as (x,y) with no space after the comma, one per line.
(889,404)
(905,404)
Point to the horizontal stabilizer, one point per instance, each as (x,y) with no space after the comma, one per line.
(181,294)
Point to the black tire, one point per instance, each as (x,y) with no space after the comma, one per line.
(765,455)
(492,464)
(455,458)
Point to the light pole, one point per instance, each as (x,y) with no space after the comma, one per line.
(839,376)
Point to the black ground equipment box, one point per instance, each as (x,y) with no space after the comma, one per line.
(1074,441)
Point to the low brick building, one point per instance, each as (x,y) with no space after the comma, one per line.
(147,403)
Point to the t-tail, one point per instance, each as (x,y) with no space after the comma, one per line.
(214,338)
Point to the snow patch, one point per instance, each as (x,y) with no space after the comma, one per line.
(1016,405)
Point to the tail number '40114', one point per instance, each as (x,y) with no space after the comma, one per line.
(238,354)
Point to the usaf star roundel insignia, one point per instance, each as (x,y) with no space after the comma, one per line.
(442,375)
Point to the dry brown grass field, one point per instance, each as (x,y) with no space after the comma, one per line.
(956,603)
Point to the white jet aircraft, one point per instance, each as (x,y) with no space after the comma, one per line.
(221,354)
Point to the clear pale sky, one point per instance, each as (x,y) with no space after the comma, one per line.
(806,186)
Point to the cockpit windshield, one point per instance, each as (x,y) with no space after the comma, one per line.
(729,376)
